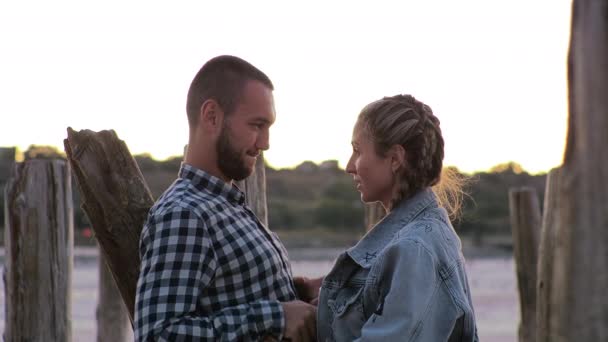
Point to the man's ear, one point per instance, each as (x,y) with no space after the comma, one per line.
(211,115)
(397,154)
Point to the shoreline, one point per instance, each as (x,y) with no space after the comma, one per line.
(88,254)
(492,280)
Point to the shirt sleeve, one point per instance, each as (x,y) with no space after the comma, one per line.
(409,280)
(177,264)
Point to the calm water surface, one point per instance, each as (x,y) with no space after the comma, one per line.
(492,281)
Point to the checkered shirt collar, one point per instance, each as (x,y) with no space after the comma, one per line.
(203,181)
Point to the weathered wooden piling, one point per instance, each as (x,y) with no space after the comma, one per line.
(116,200)
(112,318)
(578,274)
(374,212)
(254,188)
(525,227)
(546,252)
(38,252)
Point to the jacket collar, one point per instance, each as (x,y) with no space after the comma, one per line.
(366,250)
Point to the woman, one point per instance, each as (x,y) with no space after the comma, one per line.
(405,280)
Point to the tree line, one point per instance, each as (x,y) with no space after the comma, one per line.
(323,196)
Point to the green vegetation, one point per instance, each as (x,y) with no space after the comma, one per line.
(321,201)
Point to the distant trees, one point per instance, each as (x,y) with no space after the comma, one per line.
(43,152)
(486,209)
(340,207)
(310,196)
(324,196)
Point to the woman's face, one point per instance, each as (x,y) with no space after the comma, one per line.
(372,173)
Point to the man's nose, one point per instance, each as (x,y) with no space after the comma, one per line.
(263,142)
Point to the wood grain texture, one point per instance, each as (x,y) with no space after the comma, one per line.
(38,261)
(374,212)
(546,251)
(112,318)
(116,200)
(579,279)
(525,219)
(254,188)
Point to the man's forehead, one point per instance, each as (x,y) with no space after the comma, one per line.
(264,114)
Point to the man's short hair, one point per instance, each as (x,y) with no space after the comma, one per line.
(222,79)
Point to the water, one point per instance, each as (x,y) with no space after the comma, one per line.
(492,280)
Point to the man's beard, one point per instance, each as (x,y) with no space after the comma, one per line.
(230,161)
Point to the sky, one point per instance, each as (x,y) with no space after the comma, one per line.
(494,72)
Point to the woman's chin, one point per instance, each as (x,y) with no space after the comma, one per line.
(366,199)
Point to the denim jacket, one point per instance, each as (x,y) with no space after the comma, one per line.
(403,281)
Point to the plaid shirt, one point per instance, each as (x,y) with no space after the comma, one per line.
(209,269)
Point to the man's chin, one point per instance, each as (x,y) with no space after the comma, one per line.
(244,173)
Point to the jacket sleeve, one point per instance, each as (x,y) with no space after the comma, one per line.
(177,264)
(409,282)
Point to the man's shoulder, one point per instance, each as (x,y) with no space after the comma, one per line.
(181,196)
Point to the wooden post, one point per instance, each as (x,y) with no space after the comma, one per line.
(116,200)
(7,160)
(254,188)
(546,251)
(112,318)
(374,212)
(39,243)
(578,272)
(525,227)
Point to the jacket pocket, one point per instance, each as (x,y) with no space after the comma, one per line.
(348,301)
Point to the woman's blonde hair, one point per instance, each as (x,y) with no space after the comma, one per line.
(403,120)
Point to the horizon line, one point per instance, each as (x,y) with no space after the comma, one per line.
(19,158)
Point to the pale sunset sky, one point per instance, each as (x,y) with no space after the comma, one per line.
(494,72)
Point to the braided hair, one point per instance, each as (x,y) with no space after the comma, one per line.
(403,120)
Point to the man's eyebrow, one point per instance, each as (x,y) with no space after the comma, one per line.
(261,120)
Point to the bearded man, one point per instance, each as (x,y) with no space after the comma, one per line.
(209,269)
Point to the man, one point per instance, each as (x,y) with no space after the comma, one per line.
(209,269)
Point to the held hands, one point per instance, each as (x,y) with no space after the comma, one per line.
(308,289)
(300,321)
(300,315)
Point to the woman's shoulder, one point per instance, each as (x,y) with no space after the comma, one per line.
(430,220)
(432,231)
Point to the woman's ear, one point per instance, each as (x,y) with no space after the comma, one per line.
(397,155)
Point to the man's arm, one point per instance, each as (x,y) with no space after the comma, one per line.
(177,264)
